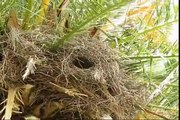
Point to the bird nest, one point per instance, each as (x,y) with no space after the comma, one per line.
(83,79)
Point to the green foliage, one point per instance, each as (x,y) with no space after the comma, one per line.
(149,57)
(84,14)
(27,14)
(152,61)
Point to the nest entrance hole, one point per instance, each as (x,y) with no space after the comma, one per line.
(1,57)
(83,63)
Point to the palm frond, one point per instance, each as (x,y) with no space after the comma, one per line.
(81,18)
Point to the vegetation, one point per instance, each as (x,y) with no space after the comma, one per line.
(138,30)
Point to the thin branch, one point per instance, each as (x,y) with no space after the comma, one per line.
(149,30)
(155,56)
(169,79)
(153,113)
(157,27)
(166,108)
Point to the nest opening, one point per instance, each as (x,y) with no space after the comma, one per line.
(83,63)
(1,57)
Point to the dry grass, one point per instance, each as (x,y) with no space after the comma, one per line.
(82,80)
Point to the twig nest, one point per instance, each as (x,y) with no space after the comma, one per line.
(83,80)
